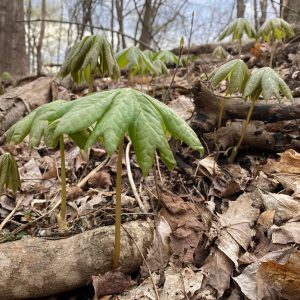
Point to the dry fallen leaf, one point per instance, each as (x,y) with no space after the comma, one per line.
(112,282)
(183,217)
(289,162)
(284,205)
(248,281)
(287,233)
(100,180)
(218,270)
(235,227)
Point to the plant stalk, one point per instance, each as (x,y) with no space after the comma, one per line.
(272,54)
(63,209)
(117,251)
(236,148)
(91,84)
(221,113)
(240,48)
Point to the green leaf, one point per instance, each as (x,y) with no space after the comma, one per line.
(267,82)
(90,56)
(9,174)
(136,61)
(237,28)
(276,28)
(220,53)
(122,111)
(236,72)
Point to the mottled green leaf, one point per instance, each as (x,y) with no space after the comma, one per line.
(9,174)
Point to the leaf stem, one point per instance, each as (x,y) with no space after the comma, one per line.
(221,113)
(62,215)
(91,83)
(235,149)
(272,54)
(117,251)
(240,48)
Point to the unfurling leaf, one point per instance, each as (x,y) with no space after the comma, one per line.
(235,72)
(267,82)
(237,28)
(275,28)
(220,53)
(93,55)
(9,173)
(117,112)
(136,60)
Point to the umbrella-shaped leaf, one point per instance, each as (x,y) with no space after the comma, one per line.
(267,82)
(275,28)
(236,72)
(237,28)
(90,56)
(122,111)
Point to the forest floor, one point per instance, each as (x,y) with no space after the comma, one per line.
(221,231)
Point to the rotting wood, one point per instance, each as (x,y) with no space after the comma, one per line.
(274,126)
(36,267)
(15,103)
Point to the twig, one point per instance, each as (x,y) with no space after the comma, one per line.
(132,184)
(82,182)
(7,219)
(146,264)
(158,167)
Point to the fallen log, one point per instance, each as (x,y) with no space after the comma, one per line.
(35,267)
(17,102)
(277,130)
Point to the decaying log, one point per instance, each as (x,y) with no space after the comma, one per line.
(274,137)
(17,102)
(277,130)
(209,48)
(35,267)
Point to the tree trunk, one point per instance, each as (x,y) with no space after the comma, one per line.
(240,8)
(119,9)
(263,7)
(146,36)
(13,57)
(290,12)
(255,14)
(41,38)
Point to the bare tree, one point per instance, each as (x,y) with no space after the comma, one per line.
(263,8)
(13,57)
(290,11)
(119,9)
(41,38)
(240,8)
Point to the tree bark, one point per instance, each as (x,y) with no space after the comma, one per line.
(119,9)
(36,267)
(13,57)
(263,8)
(274,126)
(240,8)
(290,12)
(146,35)
(39,47)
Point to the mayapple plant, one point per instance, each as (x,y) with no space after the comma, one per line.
(112,115)
(265,82)
(137,62)
(275,29)
(93,55)
(237,28)
(236,73)
(9,173)
(220,53)
(36,125)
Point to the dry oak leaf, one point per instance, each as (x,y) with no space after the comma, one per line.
(235,227)
(218,270)
(287,233)
(279,280)
(284,205)
(248,281)
(183,218)
(289,162)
